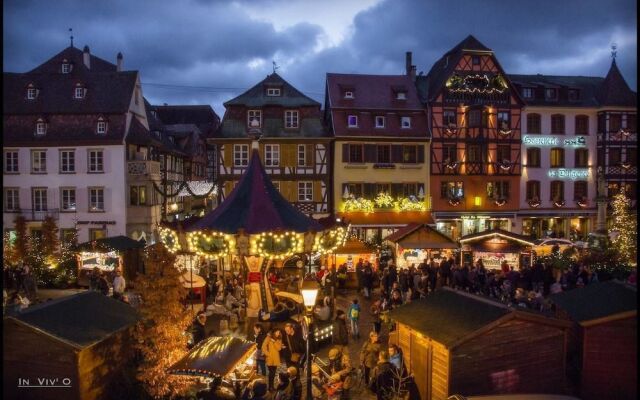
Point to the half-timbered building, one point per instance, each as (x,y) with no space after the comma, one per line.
(474,117)
(294,146)
(381,176)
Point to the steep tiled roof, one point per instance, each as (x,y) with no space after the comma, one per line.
(75,58)
(82,319)
(257,95)
(587,87)
(202,116)
(375,94)
(614,91)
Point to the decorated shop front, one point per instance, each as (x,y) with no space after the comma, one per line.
(106,255)
(496,246)
(416,242)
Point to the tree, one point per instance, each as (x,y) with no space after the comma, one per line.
(22,239)
(625,225)
(50,242)
(160,335)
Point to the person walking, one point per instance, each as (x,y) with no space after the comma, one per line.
(369,355)
(354,316)
(119,284)
(384,382)
(258,337)
(103,284)
(359,269)
(367,279)
(271,347)
(340,333)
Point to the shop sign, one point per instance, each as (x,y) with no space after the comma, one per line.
(578,141)
(566,173)
(494,260)
(96,222)
(475,217)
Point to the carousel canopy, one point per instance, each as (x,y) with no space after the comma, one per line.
(115,243)
(421,236)
(215,356)
(256,206)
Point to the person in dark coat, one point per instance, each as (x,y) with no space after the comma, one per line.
(384,382)
(294,346)
(258,337)
(359,268)
(198,328)
(340,332)
(296,385)
(103,284)
(367,279)
(445,271)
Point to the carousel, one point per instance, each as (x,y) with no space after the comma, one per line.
(256,229)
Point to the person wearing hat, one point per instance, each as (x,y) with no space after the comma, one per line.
(369,355)
(296,393)
(340,369)
(198,328)
(384,382)
(317,383)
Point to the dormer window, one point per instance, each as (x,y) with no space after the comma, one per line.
(352,121)
(380,121)
(254,118)
(41,127)
(66,67)
(273,92)
(348,94)
(32,92)
(527,93)
(551,94)
(101,128)
(405,122)
(79,92)
(574,95)
(401,95)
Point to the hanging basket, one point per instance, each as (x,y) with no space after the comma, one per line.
(583,203)
(454,201)
(505,165)
(500,202)
(558,203)
(534,202)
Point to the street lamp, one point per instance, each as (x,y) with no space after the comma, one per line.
(309,290)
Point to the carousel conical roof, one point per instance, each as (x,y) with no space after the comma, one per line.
(256,206)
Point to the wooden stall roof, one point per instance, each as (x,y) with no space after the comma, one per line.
(214,356)
(114,243)
(475,237)
(353,246)
(80,320)
(451,317)
(421,236)
(387,218)
(598,302)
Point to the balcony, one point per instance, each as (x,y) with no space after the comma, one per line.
(143,168)
(38,215)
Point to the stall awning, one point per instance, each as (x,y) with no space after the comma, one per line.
(497,233)
(421,236)
(114,243)
(387,218)
(497,240)
(215,356)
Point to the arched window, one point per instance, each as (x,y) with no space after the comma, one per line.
(557,124)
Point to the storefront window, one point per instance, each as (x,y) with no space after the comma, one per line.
(553,227)
(579,228)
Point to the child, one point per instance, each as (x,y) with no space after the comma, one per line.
(353,313)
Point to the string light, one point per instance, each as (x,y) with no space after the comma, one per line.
(626,226)
(210,244)
(170,239)
(330,241)
(383,201)
(358,204)
(287,243)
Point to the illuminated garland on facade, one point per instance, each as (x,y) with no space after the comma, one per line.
(329,242)
(476,84)
(170,239)
(408,204)
(211,244)
(358,204)
(383,200)
(277,245)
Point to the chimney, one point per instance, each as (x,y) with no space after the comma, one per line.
(413,73)
(408,63)
(119,62)
(86,57)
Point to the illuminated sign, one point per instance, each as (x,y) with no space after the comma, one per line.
(578,141)
(573,174)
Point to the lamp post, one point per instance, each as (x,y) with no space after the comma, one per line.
(309,290)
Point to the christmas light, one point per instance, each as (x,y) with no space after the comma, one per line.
(625,225)
(170,239)
(210,244)
(277,245)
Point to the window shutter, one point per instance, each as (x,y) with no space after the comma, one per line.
(396,153)
(370,153)
(421,153)
(396,189)
(369,191)
(345,152)
(310,155)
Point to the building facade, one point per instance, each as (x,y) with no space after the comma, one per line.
(381,172)
(79,146)
(294,146)
(475,118)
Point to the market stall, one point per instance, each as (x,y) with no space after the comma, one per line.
(416,242)
(106,254)
(497,246)
(196,286)
(350,253)
(228,360)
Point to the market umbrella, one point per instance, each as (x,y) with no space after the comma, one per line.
(215,356)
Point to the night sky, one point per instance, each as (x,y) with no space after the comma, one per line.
(221,48)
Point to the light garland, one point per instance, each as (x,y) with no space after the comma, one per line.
(451,164)
(358,204)
(458,84)
(583,203)
(500,202)
(197,239)
(625,165)
(383,200)
(535,202)
(505,165)
(504,132)
(454,201)
(199,188)
(625,241)
(337,237)
(293,244)
(408,204)
(558,203)
(170,239)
